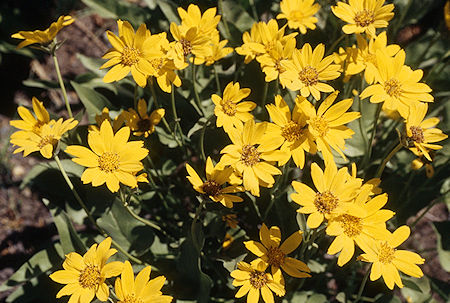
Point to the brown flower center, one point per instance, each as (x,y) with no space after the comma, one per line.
(108,162)
(291,131)
(130,56)
(90,277)
(186,46)
(131,298)
(250,155)
(393,87)
(386,253)
(325,202)
(157,63)
(228,107)
(364,18)
(309,76)
(320,125)
(275,256)
(49,139)
(144,125)
(417,134)
(258,279)
(211,188)
(352,225)
(279,67)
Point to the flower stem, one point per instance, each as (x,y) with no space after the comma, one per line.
(80,201)
(196,217)
(224,21)
(386,160)
(61,84)
(361,287)
(372,136)
(216,76)
(194,86)
(264,97)
(175,115)
(202,138)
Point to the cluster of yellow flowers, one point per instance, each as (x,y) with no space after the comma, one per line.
(351,208)
(86,276)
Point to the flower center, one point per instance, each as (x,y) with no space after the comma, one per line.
(275,256)
(309,76)
(108,162)
(144,125)
(364,18)
(320,125)
(417,134)
(187,46)
(211,188)
(49,139)
(130,56)
(291,131)
(258,279)
(297,15)
(250,155)
(386,253)
(157,63)
(37,126)
(131,298)
(393,87)
(90,277)
(228,107)
(325,202)
(352,225)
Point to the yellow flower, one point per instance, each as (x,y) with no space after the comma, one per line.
(447,14)
(206,23)
(111,159)
(272,61)
(85,275)
(247,40)
(229,109)
(45,140)
(230,220)
(212,187)
(142,289)
(397,84)
(307,68)
(288,131)
(387,260)
(249,158)
(255,282)
(334,192)
(29,122)
(216,50)
(363,15)
(275,255)
(418,163)
(327,124)
(116,123)
(43,37)
(350,228)
(227,241)
(299,14)
(421,133)
(129,53)
(140,123)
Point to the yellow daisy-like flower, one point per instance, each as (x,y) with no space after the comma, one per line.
(140,123)
(111,158)
(363,15)
(299,14)
(397,84)
(247,40)
(334,192)
(142,289)
(255,282)
(45,141)
(360,229)
(307,68)
(85,275)
(216,51)
(229,109)
(387,260)
(275,255)
(326,124)
(249,158)
(212,187)
(193,17)
(30,122)
(116,123)
(129,53)
(43,37)
(271,62)
(418,163)
(421,133)
(289,132)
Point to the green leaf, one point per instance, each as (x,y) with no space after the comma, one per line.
(443,243)
(420,290)
(317,298)
(92,64)
(169,9)
(117,9)
(92,100)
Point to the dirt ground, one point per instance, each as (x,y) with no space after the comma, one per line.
(24,220)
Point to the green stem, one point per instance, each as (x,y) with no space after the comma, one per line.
(216,76)
(196,217)
(194,86)
(361,287)
(224,20)
(335,43)
(265,90)
(386,160)
(434,202)
(80,201)
(175,115)
(202,138)
(254,12)
(372,136)
(61,84)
